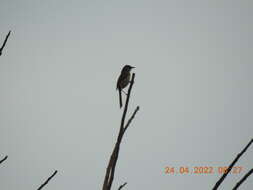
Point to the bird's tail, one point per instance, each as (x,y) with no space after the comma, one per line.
(120,98)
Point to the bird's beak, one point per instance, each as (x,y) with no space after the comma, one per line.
(132,67)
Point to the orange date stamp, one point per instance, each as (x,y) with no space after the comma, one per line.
(201,170)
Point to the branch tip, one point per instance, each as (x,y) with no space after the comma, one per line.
(3,159)
(120,187)
(48,179)
(6,38)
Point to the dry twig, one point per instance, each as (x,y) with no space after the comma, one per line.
(6,38)
(120,187)
(3,159)
(231,166)
(243,179)
(48,179)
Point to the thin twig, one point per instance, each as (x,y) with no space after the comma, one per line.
(131,118)
(47,180)
(120,187)
(243,179)
(231,166)
(3,159)
(6,38)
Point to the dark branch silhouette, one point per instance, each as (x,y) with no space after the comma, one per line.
(3,159)
(131,118)
(42,185)
(243,179)
(231,166)
(110,170)
(120,187)
(6,38)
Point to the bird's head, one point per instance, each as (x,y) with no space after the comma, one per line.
(127,68)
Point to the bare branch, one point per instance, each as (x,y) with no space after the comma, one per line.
(47,180)
(6,38)
(120,187)
(243,179)
(120,136)
(231,166)
(126,104)
(3,159)
(110,170)
(115,155)
(131,118)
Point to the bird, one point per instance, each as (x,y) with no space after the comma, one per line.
(123,81)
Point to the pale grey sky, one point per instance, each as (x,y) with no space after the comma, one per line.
(59,106)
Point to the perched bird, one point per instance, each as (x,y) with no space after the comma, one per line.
(123,81)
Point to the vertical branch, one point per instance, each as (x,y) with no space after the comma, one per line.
(114,157)
(48,179)
(231,166)
(126,104)
(243,179)
(3,159)
(120,135)
(6,38)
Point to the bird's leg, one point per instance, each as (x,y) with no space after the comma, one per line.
(124,92)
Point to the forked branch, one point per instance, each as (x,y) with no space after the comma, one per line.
(109,176)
